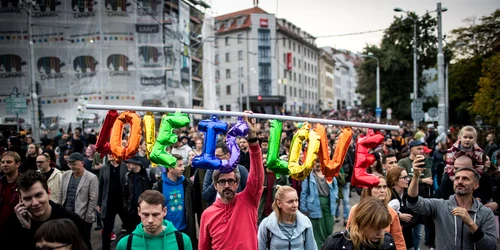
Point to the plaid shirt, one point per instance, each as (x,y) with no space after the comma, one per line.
(455,151)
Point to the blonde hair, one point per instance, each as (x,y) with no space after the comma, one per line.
(368,191)
(371,214)
(280,195)
(468,129)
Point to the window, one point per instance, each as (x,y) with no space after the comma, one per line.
(284,58)
(216,42)
(293,46)
(290,90)
(227,41)
(241,72)
(228,73)
(240,21)
(295,92)
(240,55)
(228,90)
(300,78)
(299,48)
(294,76)
(227,57)
(242,88)
(228,24)
(217,59)
(294,61)
(221,107)
(284,73)
(299,63)
(217,75)
(284,42)
(300,93)
(305,65)
(240,38)
(290,75)
(228,107)
(289,44)
(264,37)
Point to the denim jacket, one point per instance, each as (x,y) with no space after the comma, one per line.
(309,197)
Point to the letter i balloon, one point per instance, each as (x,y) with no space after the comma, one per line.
(211,128)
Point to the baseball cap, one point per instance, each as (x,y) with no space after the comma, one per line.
(76,157)
(416,143)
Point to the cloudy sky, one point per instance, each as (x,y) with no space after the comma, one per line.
(335,17)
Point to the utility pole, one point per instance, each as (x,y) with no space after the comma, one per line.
(415,71)
(440,61)
(239,84)
(35,121)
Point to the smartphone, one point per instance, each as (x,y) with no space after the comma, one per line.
(429,162)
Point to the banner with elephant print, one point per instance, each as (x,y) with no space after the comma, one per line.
(88,47)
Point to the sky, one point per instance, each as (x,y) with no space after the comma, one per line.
(335,17)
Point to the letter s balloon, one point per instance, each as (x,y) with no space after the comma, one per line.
(361,178)
(166,138)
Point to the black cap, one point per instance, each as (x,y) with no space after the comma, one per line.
(136,160)
(416,143)
(76,157)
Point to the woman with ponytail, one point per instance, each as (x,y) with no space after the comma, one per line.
(286,227)
(366,229)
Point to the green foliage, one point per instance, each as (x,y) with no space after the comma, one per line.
(396,64)
(487,99)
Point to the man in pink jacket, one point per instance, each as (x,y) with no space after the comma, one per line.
(231,222)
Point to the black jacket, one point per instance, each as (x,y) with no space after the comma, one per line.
(102,200)
(14,236)
(145,182)
(340,240)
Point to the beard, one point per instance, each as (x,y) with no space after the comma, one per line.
(463,191)
(227,193)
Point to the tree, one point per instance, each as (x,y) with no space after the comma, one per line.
(396,64)
(471,46)
(487,98)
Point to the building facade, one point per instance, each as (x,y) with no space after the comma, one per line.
(265,63)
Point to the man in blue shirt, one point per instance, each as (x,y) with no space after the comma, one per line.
(178,190)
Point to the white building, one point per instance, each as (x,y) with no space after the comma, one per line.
(345,78)
(267,62)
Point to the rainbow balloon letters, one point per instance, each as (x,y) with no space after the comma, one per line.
(274,163)
(212,128)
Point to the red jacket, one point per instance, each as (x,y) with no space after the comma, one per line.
(234,226)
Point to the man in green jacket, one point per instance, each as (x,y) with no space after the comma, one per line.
(154,232)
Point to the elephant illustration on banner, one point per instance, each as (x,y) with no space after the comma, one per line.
(82,63)
(13,3)
(115,3)
(152,4)
(44,4)
(82,4)
(48,64)
(149,52)
(115,61)
(11,61)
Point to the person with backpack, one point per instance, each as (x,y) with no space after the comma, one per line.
(286,227)
(154,232)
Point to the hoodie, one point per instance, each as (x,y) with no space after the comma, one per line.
(164,240)
(441,135)
(452,232)
(174,201)
(303,232)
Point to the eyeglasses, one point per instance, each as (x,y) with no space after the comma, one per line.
(223,182)
(404,177)
(40,162)
(52,248)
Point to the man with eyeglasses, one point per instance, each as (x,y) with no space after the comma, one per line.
(34,209)
(178,193)
(9,194)
(53,176)
(209,193)
(231,222)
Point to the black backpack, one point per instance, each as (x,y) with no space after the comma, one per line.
(178,237)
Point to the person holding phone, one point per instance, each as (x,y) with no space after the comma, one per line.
(34,209)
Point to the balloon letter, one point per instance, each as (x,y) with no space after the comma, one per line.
(134,139)
(300,172)
(166,138)
(212,128)
(239,129)
(363,160)
(275,164)
(331,167)
(149,126)
(102,145)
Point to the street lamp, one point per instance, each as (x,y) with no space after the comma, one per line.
(378,109)
(415,74)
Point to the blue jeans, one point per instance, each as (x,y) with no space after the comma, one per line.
(416,236)
(345,201)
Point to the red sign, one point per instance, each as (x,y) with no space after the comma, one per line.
(259,98)
(264,23)
(289,61)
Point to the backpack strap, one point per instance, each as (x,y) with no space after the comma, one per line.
(180,241)
(269,236)
(129,241)
(304,235)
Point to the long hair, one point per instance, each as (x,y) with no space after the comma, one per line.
(280,195)
(368,191)
(62,231)
(371,214)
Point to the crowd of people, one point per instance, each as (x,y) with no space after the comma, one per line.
(53,194)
